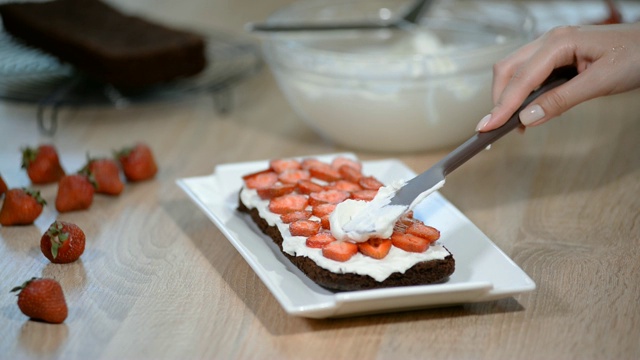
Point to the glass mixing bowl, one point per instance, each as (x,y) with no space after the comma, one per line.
(419,87)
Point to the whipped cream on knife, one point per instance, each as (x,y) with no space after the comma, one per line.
(357,220)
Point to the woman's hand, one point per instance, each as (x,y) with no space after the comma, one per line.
(607,58)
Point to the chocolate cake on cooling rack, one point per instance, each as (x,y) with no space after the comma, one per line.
(104,43)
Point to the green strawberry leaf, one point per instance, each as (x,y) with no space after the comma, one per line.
(58,237)
(24,285)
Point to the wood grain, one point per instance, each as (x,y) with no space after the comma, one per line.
(159,280)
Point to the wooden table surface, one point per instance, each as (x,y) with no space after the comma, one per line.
(159,280)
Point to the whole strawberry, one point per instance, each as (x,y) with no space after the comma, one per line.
(21,206)
(63,242)
(42,164)
(106,174)
(75,192)
(42,299)
(137,162)
(3,186)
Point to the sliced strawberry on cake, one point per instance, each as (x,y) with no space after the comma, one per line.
(293,200)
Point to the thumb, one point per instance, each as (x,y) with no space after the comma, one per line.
(556,101)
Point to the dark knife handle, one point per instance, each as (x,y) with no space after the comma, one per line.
(481,140)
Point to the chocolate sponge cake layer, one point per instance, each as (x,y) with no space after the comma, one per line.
(428,272)
(125,51)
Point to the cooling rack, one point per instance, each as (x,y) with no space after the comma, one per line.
(31,76)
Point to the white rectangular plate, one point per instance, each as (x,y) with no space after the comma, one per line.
(483,272)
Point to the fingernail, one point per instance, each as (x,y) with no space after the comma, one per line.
(531,114)
(483,122)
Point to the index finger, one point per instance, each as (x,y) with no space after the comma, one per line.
(504,69)
(555,51)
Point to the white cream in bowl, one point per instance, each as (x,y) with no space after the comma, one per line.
(419,88)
